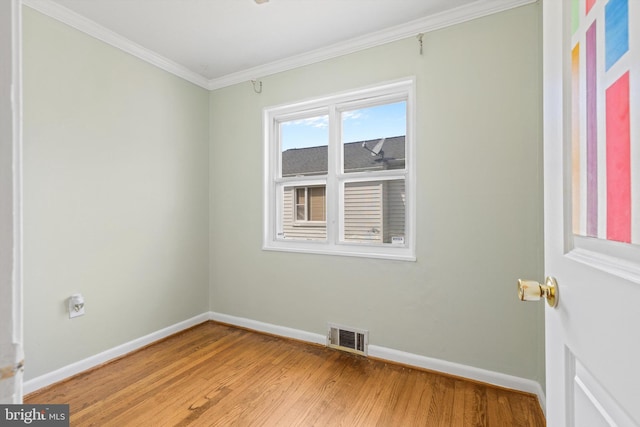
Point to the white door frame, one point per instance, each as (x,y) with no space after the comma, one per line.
(11,201)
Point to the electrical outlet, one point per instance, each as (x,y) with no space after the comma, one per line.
(76,306)
(75,313)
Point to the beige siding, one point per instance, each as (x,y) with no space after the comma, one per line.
(363,219)
(317,203)
(394,209)
(374,212)
(296,231)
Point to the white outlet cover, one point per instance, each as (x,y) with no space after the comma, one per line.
(73,313)
(72,310)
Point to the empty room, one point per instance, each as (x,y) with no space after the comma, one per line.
(318,212)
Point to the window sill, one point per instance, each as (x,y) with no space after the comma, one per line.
(390,252)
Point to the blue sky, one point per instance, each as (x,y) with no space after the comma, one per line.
(357,125)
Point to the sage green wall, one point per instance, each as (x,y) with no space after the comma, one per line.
(479,202)
(115,195)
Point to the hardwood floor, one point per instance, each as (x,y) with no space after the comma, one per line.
(218,375)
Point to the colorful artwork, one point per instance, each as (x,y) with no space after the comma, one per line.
(605,122)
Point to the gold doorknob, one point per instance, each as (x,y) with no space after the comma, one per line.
(530,290)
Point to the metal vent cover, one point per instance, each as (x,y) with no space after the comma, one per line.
(348,339)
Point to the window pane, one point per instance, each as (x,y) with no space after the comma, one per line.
(374,137)
(317,204)
(374,211)
(300,204)
(304,146)
(295,224)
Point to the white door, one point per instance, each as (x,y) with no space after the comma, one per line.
(10,212)
(591,73)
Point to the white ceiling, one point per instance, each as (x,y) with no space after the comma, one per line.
(218,41)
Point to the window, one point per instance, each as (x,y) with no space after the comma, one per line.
(310,204)
(340,175)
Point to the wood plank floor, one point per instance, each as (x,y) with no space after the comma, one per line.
(218,375)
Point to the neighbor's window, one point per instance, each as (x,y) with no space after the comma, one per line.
(310,204)
(340,174)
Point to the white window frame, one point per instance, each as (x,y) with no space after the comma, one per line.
(273,182)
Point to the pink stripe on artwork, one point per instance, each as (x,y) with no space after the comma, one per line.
(589,5)
(592,133)
(618,161)
(575,139)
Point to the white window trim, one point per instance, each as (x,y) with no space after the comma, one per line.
(403,89)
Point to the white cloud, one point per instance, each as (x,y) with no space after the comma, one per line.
(352,115)
(320,122)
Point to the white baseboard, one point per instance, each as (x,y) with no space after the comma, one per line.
(282,331)
(75,368)
(410,359)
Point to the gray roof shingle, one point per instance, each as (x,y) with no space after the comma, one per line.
(313,160)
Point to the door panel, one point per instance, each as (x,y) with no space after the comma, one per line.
(591,226)
(597,407)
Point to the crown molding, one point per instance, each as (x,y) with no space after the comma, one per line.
(87,26)
(477,9)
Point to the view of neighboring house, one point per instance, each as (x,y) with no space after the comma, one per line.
(374,211)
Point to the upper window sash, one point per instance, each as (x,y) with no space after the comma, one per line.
(280,120)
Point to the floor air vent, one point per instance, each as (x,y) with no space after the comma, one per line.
(348,339)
